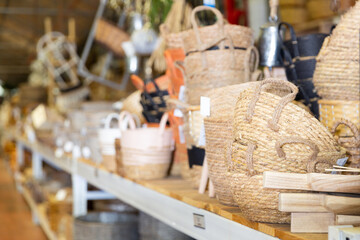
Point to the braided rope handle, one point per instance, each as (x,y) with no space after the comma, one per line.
(271,82)
(355,140)
(250,70)
(289,140)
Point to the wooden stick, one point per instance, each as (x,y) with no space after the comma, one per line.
(204,177)
(312,182)
(347,220)
(311,222)
(313,202)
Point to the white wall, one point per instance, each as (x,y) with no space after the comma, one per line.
(258,12)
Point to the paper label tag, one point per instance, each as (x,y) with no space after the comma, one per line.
(205,106)
(199,220)
(68,147)
(59,152)
(178,113)
(182,93)
(209,3)
(86,152)
(129,48)
(202,139)
(342,161)
(181,134)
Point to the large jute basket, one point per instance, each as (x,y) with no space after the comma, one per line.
(273,134)
(242,37)
(147,152)
(332,111)
(336,75)
(351,143)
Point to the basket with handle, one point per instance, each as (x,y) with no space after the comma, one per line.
(351,143)
(332,111)
(264,122)
(242,37)
(147,152)
(336,75)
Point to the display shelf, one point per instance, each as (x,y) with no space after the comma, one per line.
(173,201)
(39,214)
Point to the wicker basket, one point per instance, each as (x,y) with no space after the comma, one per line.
(352,144)
(336,75)
(146,152)
(267,126)
(132,104)
(106,225)
(242,37)
(332,111)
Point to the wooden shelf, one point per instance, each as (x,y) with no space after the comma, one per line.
(173,201)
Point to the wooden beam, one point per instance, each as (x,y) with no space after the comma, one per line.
(311,222)
(312,182)
(313,202)
(347,220)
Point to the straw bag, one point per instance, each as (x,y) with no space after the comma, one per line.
(336,75)
(242,37)
(352,144)
(267,126)
(299,55)
(132,104)
(147,152)
(335,110)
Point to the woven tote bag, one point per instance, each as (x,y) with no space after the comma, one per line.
(272,134)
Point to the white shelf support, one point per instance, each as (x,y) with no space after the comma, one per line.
(37,170)
(79,188)
(99,195)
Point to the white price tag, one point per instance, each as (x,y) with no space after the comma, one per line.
(76,152)
(86,152)
(205,106)
(68,147)
(199,220)
(202,139)
(182,93)
(59,153)
(181,134)
(342,161)
(178,113)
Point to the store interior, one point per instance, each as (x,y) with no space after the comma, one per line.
(180,119)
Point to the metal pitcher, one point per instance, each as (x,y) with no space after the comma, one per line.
(269,44)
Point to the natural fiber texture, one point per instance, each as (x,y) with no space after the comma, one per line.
(109,162)
(240,36)
(273,134)
(193,121)
(132,105)
(336,75)
(352,144)
(118,157)
(147,171)
(332,111)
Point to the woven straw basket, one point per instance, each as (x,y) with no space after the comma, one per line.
(132,104)
(352,144)
(332,111)
(273,134)
(147,152)
(241,36)
(336,75)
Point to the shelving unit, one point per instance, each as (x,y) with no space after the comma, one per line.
(170,200)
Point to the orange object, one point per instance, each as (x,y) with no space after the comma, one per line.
(162,82)
(175,74)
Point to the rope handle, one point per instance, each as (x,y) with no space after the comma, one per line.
(250,70)
(219,22)
(185,106)
(294,41)
(271,82)
(180,65)
(163,122)
(109,118)
(355,140)
(289,140)
(126,120)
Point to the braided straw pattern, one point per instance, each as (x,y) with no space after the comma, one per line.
(240,36)
(273,134)
(332,111)
(132,105)
(352,144)
(336,75)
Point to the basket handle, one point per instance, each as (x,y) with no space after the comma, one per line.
(294,41)
(163,122)
(353,140)
(313,157)
(126,120)
(219,22)
(250,70)
(272,123)
(109,118)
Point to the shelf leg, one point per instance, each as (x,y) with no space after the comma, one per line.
(37,166)
(79,186)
